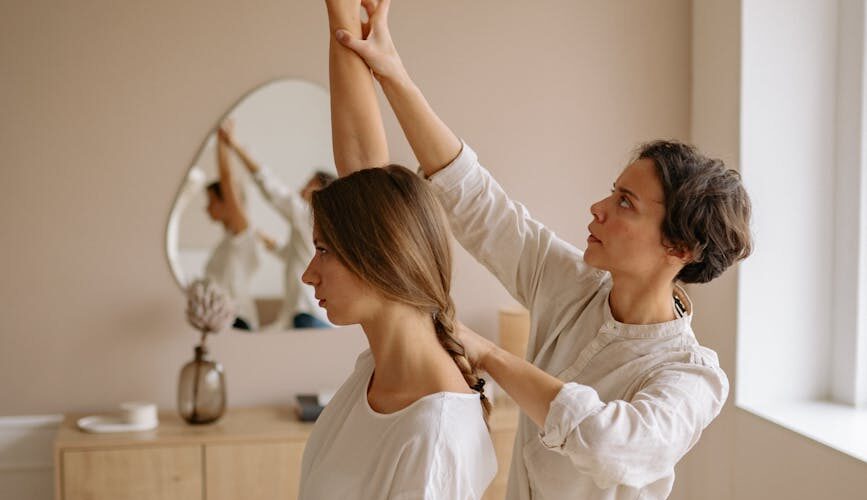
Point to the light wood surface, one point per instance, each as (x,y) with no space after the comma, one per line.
(170,473)
(237,425)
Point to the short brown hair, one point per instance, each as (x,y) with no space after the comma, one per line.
(707,209)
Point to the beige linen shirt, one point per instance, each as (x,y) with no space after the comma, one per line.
(636,398)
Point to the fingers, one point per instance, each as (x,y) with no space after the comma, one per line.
(369,7)
(382,8)
(347,40)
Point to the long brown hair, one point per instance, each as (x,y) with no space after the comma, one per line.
(388,228)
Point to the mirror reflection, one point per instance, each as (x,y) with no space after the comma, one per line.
(242,216)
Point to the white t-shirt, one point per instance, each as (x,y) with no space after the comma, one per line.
(298,250)
(636,398)
(437,448)
(232,265)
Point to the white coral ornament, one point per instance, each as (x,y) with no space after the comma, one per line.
(209,308)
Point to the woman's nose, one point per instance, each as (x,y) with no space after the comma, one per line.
(598,211)
(310,277)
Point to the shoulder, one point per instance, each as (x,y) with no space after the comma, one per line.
(694,369)
(245,239)
(454,423)
(445,414)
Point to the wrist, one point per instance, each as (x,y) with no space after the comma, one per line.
(396,81)
(341,17)
(488,356)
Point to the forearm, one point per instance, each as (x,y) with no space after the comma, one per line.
(530,387)
(432,141)
(228,188)
(358,135)
(246,159)
(223,168)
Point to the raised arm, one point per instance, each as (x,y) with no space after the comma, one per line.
(357,133)
(281,197)
(232,199)
(227,135)
(432,141)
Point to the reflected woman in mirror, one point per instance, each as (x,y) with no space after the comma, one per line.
(299,309)
(410,421)
(618,388)
(236,258)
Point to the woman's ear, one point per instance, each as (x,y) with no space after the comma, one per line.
(679,254)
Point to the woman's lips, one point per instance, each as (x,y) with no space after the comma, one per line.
(593,239)
(321,302)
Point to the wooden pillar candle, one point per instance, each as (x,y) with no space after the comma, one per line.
(514,330)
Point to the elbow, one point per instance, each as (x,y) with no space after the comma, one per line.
(644,458)
(635,468)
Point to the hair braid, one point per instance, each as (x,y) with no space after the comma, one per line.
(444,324)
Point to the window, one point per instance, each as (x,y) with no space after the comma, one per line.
(802,336)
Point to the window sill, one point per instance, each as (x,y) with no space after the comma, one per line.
(838,426)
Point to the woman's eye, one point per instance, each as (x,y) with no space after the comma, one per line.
(624,202)
(321,250)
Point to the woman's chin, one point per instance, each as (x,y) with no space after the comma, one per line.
(336,320)
(592,259)
(590,256)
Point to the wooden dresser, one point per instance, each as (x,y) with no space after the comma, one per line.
(250,454)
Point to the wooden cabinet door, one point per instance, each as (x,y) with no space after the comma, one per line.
(253,471)
(166,473)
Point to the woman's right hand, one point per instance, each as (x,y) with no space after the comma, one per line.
(476,347)
(376,48)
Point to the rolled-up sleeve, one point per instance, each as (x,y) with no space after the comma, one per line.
(639,441)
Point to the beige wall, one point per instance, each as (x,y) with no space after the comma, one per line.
(103,105)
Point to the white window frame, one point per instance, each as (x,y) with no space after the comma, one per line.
(849,367)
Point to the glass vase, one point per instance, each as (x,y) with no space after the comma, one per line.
(202,389)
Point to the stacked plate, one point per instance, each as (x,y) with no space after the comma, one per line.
(132,417)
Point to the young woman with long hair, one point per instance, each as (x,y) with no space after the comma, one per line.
(410,421)
(616,388)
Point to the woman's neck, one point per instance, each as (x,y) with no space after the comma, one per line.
(407,354)
(641,302)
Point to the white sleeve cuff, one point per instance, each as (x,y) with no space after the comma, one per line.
(458,172)
(573,403)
